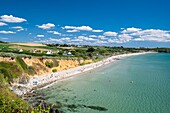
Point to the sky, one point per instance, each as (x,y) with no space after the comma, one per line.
(129,23)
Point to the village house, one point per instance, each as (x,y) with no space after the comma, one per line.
(20,50)
(49,52)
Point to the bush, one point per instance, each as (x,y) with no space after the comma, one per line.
(31,70)
(49,64)
(7,75)
(54,70)
(10,70)
(10,103)
(24,66)
(21,63)
(55,63)
(91,49)
(2,80)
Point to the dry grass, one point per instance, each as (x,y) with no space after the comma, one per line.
(27,48)
(67,47)
(29,44)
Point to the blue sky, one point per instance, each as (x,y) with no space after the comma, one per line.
(130,23)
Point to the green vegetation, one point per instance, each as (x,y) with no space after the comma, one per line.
(10,71)
(54,70)
(55,63)
(10,102)
(27,69)
(49,64)
(84,63)
(84,51)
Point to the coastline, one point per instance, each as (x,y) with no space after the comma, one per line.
(36,82)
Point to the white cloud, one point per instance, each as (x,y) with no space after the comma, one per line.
(71,31)
(4,38)
(101,42)
(2,24)
(17,27)
(85,38)
(46,26)
(77,40)
(60,40)
(40,36)
(54,32)
(20,29)
(54,40)
(66,35)
(69,27)
(65,39)
(84,28)
(102,37)
(110,33)
(12,19)
(7,32)
(93,36)
(156,35)
(112,40)
(138,34)
(130,30)
(123,38)
(79,28)
(97,31)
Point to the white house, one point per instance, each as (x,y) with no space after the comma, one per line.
(49,52)
(21,50)
(69,53)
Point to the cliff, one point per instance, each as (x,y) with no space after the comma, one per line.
(46,66)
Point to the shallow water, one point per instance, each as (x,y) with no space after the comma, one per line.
(137,84)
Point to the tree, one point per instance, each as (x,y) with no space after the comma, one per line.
(91,49)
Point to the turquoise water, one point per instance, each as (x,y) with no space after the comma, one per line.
(110,89)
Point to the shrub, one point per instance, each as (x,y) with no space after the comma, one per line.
(7,75)
(10,103)
(22,63)
(54,70)
(31,70)
(49,64)
(24,66)
(9,70)
(91,49)
(55,63)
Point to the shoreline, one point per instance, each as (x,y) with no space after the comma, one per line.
(43,81)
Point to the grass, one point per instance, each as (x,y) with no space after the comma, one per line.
(10,70)
(24,67)
(11,103)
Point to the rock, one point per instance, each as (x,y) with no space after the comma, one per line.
(57,111)
(35,104)
(44,105)
(39,98)
(52,110)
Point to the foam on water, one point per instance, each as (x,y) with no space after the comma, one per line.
(110,88)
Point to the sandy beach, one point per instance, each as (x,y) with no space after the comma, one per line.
(44,80)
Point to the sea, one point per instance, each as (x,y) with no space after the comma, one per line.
(135,84)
